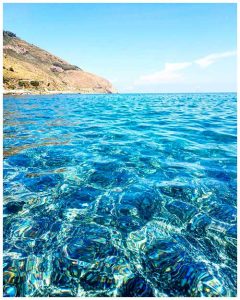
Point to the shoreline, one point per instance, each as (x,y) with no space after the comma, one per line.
(24,92)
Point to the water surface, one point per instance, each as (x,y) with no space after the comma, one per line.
(120,195)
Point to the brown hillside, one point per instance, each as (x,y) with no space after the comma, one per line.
(31,69)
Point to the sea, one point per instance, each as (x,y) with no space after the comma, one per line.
(120,195)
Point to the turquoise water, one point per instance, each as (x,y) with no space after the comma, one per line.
(120,195)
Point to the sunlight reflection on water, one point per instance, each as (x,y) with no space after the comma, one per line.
(120,195)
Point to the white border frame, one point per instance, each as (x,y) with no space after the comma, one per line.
(1,124)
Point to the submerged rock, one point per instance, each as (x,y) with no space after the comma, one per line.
(136,287)
(182,210)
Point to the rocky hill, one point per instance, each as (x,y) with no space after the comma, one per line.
(29,69)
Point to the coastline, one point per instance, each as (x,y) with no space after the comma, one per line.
(54,92)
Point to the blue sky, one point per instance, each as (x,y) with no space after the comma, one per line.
(138,47)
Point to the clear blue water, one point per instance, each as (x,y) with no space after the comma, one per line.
(120,195)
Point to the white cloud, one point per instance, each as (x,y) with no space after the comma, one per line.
(208,60)
(170,73)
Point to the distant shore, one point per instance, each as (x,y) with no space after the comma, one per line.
(32,92)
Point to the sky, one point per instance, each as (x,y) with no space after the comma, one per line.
(137,47)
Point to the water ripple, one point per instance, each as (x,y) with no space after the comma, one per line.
(120,195)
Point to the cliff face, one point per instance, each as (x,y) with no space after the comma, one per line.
(30,69)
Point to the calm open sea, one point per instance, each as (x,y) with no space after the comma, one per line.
(120,195)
